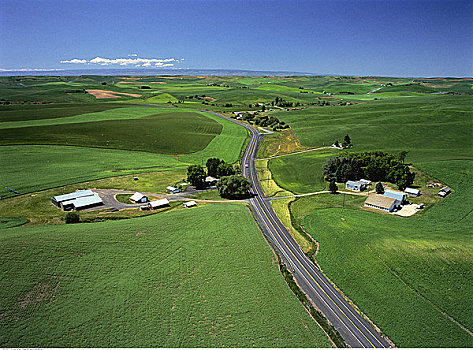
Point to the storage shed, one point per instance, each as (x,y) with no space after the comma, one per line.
(412,191)
(189,204)
(139,198)
(159,203)
(444,191)
(379,202)
(400,196)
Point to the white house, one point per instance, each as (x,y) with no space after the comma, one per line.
(172,189)
(139,198)
(355,185)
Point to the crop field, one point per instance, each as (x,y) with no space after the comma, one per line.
(167,280)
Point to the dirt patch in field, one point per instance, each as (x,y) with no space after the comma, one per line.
(157,82)
(211,99)
(452,80)
(432,85)
(41,291)
(127,82)
(100,94)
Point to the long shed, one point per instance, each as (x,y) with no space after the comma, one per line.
(400,196)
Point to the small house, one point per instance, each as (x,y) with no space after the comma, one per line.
(412,192)
(172,189)
(367,183)
(211,181)
(444,191)
(189,204)
(400,196)
(139,198)
(380,202)
(355,185)
(159,203)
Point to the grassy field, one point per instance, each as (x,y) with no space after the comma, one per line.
(167,280)
(432,127)
(30,168)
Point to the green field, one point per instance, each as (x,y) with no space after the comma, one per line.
(168,280)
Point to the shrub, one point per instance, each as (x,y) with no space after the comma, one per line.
(72,218)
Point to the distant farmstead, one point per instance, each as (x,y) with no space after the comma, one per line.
(380,202)
(444,191)
(78,200)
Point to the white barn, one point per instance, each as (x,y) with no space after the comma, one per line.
(139,198)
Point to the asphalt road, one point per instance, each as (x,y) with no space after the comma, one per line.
(354,329)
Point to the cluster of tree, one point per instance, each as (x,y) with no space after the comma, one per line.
(346,142)
(218,168)
(264,121)
(229,185)
(280,102)
(75,91)
(233,187)
(375,166)
(144,87)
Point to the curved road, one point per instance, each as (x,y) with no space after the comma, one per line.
(354,329)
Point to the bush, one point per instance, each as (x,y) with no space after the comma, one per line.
(233,187)
(332,187)
(72,218)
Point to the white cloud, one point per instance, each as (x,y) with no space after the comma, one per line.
(75,60)
(145,62)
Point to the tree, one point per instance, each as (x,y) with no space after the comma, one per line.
(336,143)
(263,108)
(196,176)
(332,187)
(379,188)
(402,156)
(346,141)
(225,169)
(212,165)
(233,187)
(72,218)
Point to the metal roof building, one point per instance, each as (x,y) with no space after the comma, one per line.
(381,202)
(159,203)
(57,200)
(412,191)
(189,204)
(400,196)
(82,202)
(355,185)
(172,189)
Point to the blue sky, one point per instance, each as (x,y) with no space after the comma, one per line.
(381,37)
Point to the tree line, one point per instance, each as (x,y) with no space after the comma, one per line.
(374,165)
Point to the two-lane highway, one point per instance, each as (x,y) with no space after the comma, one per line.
(354,329)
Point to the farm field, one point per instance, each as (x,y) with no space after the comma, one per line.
(167,280)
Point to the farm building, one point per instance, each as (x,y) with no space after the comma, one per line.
(159,203)
(400,196)
(444,191)
(189,204)
(412,191)
(367,183)
(172,189)
(139,198)
(77,200)
(355,185)
(379,202)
